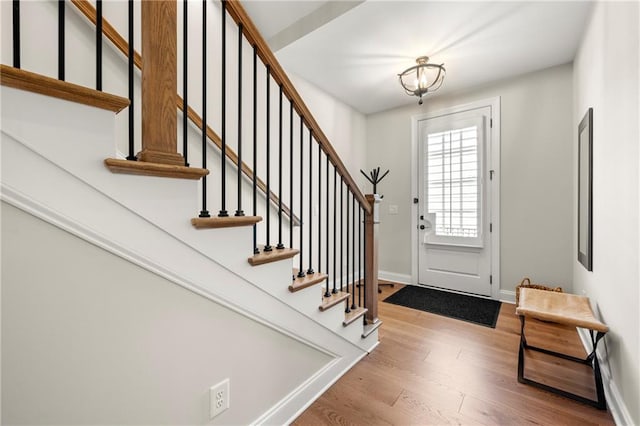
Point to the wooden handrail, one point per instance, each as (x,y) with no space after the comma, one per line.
(239,15)
(87,9)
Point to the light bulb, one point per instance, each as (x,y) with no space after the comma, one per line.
(423,81)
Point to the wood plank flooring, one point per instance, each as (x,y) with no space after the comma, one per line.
(432,370)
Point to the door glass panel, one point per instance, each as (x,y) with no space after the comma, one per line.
(452,182)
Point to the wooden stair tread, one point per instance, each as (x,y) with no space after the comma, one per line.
(334,299)
(224,222)
(307,281)
(117,165)
(353,315)
(370,328)
(271,256)
(43,85)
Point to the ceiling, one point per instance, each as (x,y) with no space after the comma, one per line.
(354,50)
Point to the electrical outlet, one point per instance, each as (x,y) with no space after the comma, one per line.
(393,209)
(219,398)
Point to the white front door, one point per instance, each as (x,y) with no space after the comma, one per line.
(454,210)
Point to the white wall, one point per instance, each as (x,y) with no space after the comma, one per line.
(606,76)
(344,127)
(89,338)
(537,169)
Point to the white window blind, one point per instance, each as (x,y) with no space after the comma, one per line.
(452,182)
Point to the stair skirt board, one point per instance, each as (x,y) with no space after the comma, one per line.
(106,175)
(76,221)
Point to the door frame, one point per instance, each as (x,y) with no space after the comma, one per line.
(493,163)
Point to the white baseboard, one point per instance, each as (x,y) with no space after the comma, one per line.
(282,413)
(615,403)
(507,296)
(395,277)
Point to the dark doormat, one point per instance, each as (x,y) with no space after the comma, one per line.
(459,306)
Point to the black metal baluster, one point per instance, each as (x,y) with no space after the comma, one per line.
(99,45)
(310,270)
(130,63)
(255,147)
(364,274)
(360,284)
(61,44)
(223,138)
(341,233)
(301,273)
(16,33)
(335,227)
(267,246)
(326,239)
(319,209)
(291,221)
(239,211)
(280,246)
(204,212)
(347,308)
(353,249)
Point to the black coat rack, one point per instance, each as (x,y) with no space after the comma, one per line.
(374,177)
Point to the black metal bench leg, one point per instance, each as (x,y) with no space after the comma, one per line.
(596,371)
(523,344)
(591,359)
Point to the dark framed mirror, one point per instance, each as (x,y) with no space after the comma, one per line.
(585,191)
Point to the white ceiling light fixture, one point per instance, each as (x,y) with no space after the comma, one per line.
(420,79)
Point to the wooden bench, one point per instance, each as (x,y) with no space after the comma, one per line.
(566,309)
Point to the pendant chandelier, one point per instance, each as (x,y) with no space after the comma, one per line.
(422,78)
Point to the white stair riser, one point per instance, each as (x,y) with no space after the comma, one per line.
(370,342)
(351,332)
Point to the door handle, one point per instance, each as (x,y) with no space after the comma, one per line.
(421,226)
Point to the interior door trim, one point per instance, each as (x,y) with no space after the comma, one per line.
(493,165)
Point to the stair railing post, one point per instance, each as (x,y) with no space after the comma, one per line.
(371,222)
(159,83)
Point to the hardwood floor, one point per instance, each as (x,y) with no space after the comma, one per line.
(430,369)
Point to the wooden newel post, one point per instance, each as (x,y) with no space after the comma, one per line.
(371,221)
(159,83)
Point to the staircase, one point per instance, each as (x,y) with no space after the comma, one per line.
(293,242)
